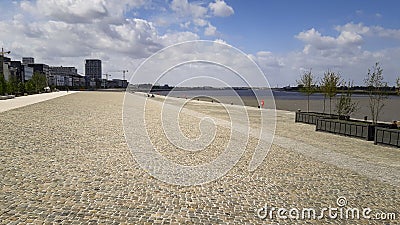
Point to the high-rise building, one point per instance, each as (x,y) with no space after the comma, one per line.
(28,60)
(93,69)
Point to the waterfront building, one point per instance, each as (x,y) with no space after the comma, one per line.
(93,69)
(65,76)
(27,72)
(28,60)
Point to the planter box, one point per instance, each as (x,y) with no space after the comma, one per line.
(387,136)
(311,117)
(358,129)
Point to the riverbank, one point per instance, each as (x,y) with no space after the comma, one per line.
(390,111)
(292,101)
(66,160)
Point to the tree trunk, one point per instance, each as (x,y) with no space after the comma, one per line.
(308,103)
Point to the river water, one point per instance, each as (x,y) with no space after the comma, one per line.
(288,100)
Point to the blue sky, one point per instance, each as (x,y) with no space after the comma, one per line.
(277,22)
(284,38)
(272,25)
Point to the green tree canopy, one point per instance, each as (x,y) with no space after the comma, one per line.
(37,83)
(3,84)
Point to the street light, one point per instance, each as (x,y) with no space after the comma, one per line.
(2,59)
(107,75)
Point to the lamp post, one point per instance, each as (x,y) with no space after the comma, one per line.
(2,59)
(105,82)
(123,74)
(2,83)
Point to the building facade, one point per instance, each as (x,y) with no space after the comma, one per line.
(17,69)
(93,69)
(3,64)
(65,77)
(41,68)
(28,60)
(27,72)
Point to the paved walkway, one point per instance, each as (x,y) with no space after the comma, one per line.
(17,102)
(66,160)
(385,169)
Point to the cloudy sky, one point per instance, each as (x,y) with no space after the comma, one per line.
(283,37)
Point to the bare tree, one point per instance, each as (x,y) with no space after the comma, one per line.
(345,106)
(329,84)
(324,84)
(307,85)
(377,96)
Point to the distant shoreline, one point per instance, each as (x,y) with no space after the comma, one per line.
(293,101)
(359,90)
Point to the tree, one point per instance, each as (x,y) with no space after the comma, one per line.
(324,84)
(38,82)
(3,84)
(398,85)
(307,83)
(21,88)
(29,87)
(329,84)
(12,85)
(377,96)
(345,106)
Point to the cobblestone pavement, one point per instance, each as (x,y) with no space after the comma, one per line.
(66,161)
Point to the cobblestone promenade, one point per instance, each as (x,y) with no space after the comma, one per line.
(66,160)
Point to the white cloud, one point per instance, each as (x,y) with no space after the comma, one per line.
(68,11)
(316,39)
(80,11)
(220,8)
(210,30)
(346,38)
(387,33)
(200,22)
(177,37)
(347,42)
(61,40)
(268,60)
(65,32)
(355,28)
(185,25)
(343,53)
(197,14)
(376,31)
(220,41)
(184,8)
